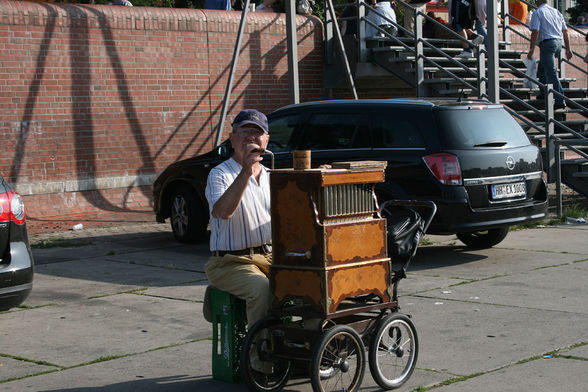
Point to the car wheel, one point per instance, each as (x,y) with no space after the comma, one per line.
(483,238)
(187,217)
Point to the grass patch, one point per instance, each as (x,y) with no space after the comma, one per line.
(110,253)
(425,241)
(449,382)
(575,211)
(530,225)
(59,243)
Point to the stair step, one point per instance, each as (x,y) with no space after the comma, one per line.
(575,161)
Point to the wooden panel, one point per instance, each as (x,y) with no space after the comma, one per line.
(288,284)
(357,280)
(349,177)
(354,242)
(297,220)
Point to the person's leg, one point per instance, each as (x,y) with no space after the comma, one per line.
(408,19)
(549,50)
(467,51)
(481,29)
(236,275)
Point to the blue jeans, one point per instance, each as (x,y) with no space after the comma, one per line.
(546,70)
(481,29)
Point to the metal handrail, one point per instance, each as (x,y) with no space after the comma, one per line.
(570,144)
(420,58)
(423,41)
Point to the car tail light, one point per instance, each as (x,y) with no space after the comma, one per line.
(12,208)
(445,167)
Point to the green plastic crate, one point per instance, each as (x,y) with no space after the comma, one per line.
(229,324)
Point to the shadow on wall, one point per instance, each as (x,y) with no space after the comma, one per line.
(80,109)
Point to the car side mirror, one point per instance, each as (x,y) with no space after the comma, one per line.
(224,150)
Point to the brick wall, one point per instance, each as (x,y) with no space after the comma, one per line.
(95,100)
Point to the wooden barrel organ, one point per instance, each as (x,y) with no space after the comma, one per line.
(329,242)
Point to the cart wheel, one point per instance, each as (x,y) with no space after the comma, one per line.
(394,350)
(259,370)
(338,360)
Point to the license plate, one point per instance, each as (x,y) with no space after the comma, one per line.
(505,191)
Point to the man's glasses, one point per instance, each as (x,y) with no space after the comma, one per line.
(255,132)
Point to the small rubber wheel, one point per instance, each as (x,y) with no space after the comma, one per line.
(393,351)
(338,360)
(260,371)
(483,238)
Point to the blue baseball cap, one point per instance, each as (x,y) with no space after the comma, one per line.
(251,116)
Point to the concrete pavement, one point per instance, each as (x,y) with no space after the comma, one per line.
(119,309)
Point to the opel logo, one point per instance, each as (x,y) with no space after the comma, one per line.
(510,162)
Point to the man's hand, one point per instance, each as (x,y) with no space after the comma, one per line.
(253,154)
(530,55)
(569,54)
(534,36)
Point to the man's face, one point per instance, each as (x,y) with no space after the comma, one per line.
(246,135)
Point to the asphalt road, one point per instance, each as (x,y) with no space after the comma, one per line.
(119,309)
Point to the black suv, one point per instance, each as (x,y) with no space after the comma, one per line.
(470,157)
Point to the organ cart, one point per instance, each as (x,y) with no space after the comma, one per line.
(334,284)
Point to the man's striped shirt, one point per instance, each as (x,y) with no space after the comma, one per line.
(250,225)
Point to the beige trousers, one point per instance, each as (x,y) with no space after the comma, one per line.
(244,277)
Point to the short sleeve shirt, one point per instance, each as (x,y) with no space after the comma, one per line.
(250,225)
(549,22)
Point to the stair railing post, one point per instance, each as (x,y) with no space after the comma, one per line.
(506,21)
(329,36)
(420,63)
(481,74)
(492,50)
(549,132)
(558,180)
(221,125)
(293,84)
(362,55)
(339,39)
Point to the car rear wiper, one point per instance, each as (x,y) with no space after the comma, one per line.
(494,143)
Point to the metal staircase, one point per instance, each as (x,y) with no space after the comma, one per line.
(429,67)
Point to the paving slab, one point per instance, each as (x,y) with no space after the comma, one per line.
(190,291)
(554,374)
(16,368)
(565,284)
(122,324)
(179,368)
(158,331)
(563,238)
(578,352)
(416,282)
(466,338)
(185,257)
(184,367)
(81,279)
(70,245)
(466,263)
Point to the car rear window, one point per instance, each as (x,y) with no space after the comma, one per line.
(394,131)
(464,129)
(281,130)
(334,131)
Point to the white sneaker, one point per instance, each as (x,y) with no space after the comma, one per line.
(465,54)
(478,40)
